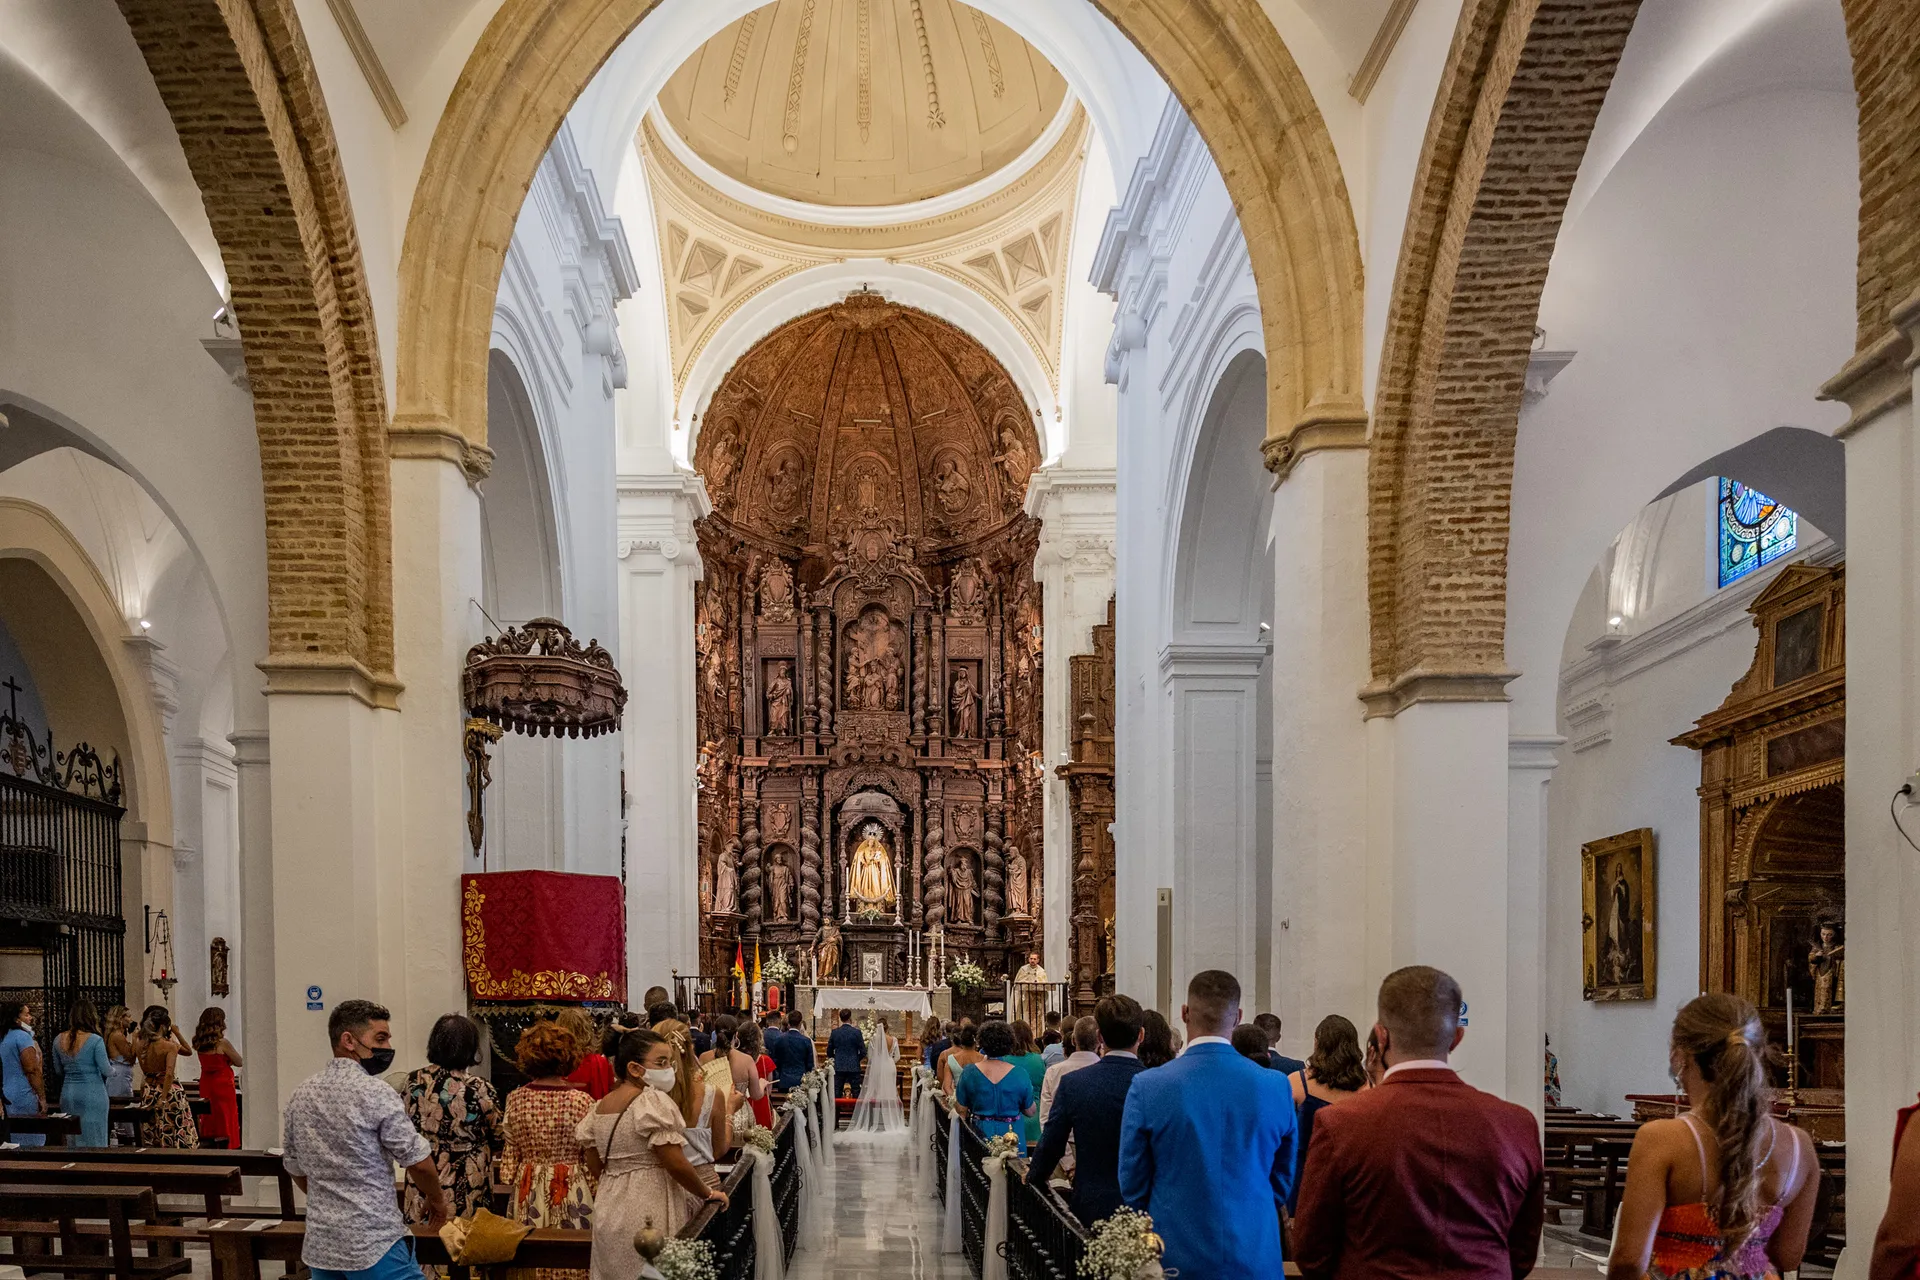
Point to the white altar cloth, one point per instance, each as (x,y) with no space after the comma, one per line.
(898,999)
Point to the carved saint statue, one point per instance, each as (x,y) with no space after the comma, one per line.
(780,700)
(962,896)
(726,884)
(827,951)
(870,882)
(721,462)
(1016,881)
(951,488)
(780,886)
(1828,959)
(783,485)
(965,701)
(1013,460)
(706,887)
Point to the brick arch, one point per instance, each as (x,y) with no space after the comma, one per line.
(1524,82)
(1222,58)
(237,79)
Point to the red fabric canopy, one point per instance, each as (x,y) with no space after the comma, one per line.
(543,935)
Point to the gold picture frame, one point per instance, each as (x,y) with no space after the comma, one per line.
(1617,901)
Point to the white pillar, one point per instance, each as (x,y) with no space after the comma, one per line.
(1883,749)
(1531,761)
(253,962)
(659,563)
(1075,569)
(1320,888)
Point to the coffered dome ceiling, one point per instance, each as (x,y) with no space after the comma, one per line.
(863,102)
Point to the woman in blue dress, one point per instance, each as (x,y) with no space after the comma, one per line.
(996,1094)
(82,1055)
(21,1084)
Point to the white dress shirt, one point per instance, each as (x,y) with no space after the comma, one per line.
(345,1130)
(1419,1064)
(1051,1081)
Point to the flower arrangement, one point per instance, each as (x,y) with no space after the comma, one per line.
(967,977)
(1003,1145)
(1123,1248)
(686,1260)
(779,971)
(757,1136)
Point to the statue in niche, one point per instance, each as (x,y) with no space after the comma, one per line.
(827,951)
(1016,881)
(722,459)
(780,700)
(726,886)
(784,483)
(780,886)
(1827,958)
(874,671)
(1013,460)
(951,488)
(961,899)
(965,701)
(870,882)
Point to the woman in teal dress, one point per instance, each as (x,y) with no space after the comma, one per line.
(1026,1056)
(82,1054)
(996,1094)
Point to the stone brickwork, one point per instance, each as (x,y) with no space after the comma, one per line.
(237,80)
(1524,82)
(1885,39)
(1222,57)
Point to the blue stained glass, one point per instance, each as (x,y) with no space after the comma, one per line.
(1754,530)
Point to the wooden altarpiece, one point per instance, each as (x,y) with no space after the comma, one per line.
(1089,778)
(868,640)
(1772,815)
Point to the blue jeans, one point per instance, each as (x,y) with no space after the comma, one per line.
(396,1263)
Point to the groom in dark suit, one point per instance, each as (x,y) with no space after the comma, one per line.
(848,1049)
(1088,1105)
(1207,1145)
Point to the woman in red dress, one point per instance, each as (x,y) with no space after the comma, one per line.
(218,1058)
(594,1075)
(748,1040)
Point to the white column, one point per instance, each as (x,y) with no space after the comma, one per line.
(659,563)
(1075,569)
(1320,886)
(1883,749)
(1531,761)
(253,964)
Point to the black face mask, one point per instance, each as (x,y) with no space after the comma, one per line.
(377,1063)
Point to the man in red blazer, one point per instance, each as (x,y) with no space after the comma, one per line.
(1425,1175)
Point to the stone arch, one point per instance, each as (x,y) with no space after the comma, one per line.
(1222,58)
(241,88)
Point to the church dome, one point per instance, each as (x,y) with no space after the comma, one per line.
(862,102)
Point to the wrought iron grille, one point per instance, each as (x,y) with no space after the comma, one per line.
(973,1196)
(1044,1240)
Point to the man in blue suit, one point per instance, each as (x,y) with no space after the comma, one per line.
(791,1051)
(1207,1145)
(1088,1106)
(848,1049)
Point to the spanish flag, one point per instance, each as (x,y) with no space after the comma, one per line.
(740,967)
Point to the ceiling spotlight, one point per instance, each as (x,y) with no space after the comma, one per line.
(1616,620)
(145,625)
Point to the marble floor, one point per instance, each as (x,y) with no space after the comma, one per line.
(878,1226)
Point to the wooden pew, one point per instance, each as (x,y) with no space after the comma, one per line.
(120,1206)
(239,1247)
(55,1128)
(251,1164)
(210,1182)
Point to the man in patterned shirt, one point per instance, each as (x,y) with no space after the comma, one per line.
(346,1129)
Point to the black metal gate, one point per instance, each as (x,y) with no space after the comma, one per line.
(60,889)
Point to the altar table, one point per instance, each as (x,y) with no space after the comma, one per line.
(894,999)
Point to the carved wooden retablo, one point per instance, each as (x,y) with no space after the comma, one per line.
(868,639)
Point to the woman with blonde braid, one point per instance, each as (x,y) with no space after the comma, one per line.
(1725,1192)
(702,1109)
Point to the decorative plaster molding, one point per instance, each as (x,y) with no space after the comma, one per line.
(368,58)
(1392,25)
(1590,720)
(438,441)
(163,676)
(1190,661)
(1534,753)
(1880,377)
(1417,686)
(231,355)
(251,749)
(328,676)
(1313,435)
(1542,368)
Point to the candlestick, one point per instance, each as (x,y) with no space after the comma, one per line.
(1790,1031)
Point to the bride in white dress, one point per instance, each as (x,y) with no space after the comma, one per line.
(878,1112)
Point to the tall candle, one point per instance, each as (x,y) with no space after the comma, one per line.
(1790,1039)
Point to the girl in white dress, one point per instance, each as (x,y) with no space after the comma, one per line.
(635,1142)
(878,1112)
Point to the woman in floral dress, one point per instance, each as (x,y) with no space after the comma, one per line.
(459,1115)
(157,1046)
(541,1160)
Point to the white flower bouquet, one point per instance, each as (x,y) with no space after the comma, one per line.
(967,977)
(686,1260)
(778,971)
(1003,1145)
(1124,1247)
(757,1136)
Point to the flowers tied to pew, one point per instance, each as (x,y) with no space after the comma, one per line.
(686,1260)
(1124,1247)
(757,1136)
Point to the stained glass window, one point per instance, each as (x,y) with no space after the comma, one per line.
(1754,530)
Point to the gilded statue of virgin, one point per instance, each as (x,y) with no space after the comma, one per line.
(870,880)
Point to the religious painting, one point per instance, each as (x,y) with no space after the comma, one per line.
(873,967)
(1617,898)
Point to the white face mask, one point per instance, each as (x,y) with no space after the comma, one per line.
(661,1078)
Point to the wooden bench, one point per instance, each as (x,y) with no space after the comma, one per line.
(251,1164)
(56,1128)
(120,1206)
(240,1247)
(212,1183)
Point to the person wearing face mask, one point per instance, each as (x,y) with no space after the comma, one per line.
(20,1068)
(345,1130)
(635,1143)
